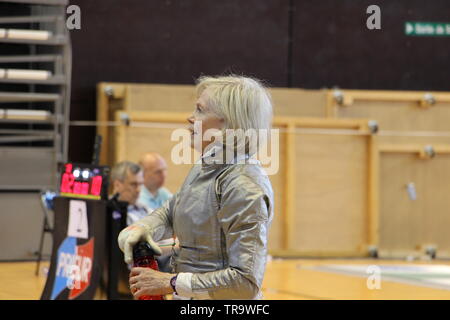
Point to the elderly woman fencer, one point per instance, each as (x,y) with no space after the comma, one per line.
(222,212)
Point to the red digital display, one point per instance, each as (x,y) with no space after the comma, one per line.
(96,185)
(81,181)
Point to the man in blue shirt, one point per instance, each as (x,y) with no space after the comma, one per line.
(153,194)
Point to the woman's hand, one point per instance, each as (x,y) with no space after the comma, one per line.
(131,235)
(146,281)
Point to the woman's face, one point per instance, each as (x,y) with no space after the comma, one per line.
(202,120)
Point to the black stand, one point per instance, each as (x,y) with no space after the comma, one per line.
(46,228)
(116,267)
(86,252)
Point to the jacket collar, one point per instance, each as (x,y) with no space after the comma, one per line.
(215,156)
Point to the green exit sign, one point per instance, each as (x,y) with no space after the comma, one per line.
(427,29)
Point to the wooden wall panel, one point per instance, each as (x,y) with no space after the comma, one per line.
(400,116)
(407,226)
(298,102)
(399,216)
(331,194)
(437,213)
(154,97)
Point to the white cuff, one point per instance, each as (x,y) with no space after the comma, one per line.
(183,287)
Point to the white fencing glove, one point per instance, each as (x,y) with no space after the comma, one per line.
(131,235)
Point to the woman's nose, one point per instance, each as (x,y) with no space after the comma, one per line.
(191,119)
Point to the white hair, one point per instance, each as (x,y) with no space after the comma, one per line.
(243,102)
(120,170)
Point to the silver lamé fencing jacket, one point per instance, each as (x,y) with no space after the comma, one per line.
(221,216)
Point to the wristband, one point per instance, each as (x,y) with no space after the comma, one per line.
(173,283)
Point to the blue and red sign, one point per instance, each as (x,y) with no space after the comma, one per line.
(74,267)
(78,252)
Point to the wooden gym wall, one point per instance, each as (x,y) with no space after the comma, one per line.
(411,149)
(341,187)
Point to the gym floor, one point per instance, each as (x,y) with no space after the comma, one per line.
(285,279)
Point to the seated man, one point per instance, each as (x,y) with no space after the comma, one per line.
(153,194)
